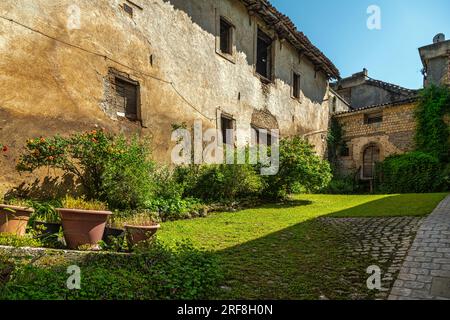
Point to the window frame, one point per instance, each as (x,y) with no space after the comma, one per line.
(375,118)
(296,90)
(232,120)
(270,55)
(230,56)
(118,77)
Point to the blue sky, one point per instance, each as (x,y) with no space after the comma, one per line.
(339,29)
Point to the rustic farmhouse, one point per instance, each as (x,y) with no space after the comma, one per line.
(147,66)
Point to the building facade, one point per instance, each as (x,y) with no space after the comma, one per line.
(381,120)
(147,66)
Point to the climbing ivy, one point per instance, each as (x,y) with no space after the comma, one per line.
(335,141)
(432,134)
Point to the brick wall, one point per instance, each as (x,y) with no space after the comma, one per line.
(394,135)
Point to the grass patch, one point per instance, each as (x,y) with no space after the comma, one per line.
(283,251)
(413,205)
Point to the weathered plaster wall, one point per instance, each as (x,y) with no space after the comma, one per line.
(436,60)
(47,87)
(395,135)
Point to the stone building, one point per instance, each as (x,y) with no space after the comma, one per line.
(381,121)
(143,67)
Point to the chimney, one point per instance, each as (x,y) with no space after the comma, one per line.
(440,37)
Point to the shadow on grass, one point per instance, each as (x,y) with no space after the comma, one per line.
(304,262)
(311,259)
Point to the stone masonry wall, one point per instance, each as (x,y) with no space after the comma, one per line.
(395,135)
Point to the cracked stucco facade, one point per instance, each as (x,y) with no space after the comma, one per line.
(48,87)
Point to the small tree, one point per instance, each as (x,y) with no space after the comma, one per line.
(101,161)
(300,166)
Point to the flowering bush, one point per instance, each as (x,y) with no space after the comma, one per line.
(102,162)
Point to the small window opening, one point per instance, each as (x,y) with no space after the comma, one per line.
(296,85)
(128,93)
(226,37)
(258,134)
(128,9)
(345,150)
(264,55)
(227,123)
(373,118)
(334,104)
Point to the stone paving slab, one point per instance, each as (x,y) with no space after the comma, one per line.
(425,274)
(385,241)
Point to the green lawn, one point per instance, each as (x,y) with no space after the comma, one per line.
(283,252)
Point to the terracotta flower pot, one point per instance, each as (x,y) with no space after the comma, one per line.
(14,219)
(136,234)
(83,227)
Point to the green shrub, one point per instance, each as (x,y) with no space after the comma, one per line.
(341,185)
(127,181)
(109,168)
(413,172)
(159,273)
(19,241)
(220,183)
(300,167)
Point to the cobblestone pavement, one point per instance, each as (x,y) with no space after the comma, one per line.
(425,274)
(384,241)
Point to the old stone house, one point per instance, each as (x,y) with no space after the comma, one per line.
(143,67)
(381,120)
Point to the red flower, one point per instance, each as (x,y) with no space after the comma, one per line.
(5,149)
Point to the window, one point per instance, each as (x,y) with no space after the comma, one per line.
(128,9)
(258,134)
(127,93)
(227,124)
(373,118)
(226,37)
(264,55)
(345,150)
(296,85)
(334,105)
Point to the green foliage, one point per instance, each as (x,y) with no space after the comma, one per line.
(110,168)
(220,183)
(432,134)
(413,172)
(127,181)
(82,204)
(161,272)
(342,185)
(299,165)
(335,142)
(44,211)
(13,240)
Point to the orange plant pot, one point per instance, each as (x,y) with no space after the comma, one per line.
(83,227)
(136,234)
(14,220)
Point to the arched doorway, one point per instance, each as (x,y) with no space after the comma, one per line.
(370,158)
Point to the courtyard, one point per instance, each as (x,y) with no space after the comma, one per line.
(308,247)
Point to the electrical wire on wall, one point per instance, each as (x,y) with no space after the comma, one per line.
(104,56)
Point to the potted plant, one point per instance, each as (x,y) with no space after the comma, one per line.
(46,220)
(83,222)
(14,217)
(141,227)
